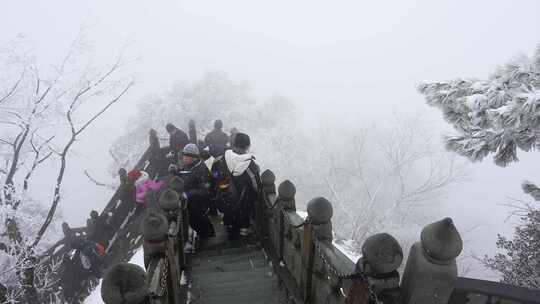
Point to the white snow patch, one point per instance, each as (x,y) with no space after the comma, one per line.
(347,248)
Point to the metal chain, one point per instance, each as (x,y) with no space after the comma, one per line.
(164,275)
(336,273)
(344,276)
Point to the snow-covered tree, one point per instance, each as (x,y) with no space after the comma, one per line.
(499,115)
(382,177)
(520,262)
(43,111)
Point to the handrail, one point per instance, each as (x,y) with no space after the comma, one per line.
(65,274)
(467,287)
(313,270)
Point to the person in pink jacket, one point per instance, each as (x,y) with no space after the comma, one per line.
(142,185)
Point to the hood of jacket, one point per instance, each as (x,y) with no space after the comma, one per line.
(237,163)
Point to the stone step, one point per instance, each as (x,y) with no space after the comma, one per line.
(227,267)
(197,261)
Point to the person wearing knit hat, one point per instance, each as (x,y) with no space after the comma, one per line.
(191,150)
(197,185)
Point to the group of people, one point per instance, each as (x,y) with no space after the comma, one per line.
(220,177)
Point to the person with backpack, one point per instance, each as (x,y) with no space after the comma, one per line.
(217,140)
(197,185)
(239,184)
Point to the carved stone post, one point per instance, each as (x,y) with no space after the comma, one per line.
(122,174)
(177,184)
(431,270)
(262,207)
(320,214)
(124,283)
(169,201)
(192,130)
(286,193)
(381,257)
(268,181)
(284,202)
(318,225)
(154,153)
(154,229)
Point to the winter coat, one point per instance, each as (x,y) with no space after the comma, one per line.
(197,189)
(178,140)
(98,230)
(143,188)
(196,182)
(218,141)
(242,176)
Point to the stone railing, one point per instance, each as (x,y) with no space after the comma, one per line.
(122,234)
(468,290)
(313,270)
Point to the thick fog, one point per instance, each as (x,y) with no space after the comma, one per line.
(349,61)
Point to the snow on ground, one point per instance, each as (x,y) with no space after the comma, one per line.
(345,246)
(95,296)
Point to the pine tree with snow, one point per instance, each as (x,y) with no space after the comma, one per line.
(499,116)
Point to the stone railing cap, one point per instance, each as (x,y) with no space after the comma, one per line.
(124,283)
(154,226)
(382,252)
(441,240)
(319,210)
(169,200)
(268,178)
(286,190)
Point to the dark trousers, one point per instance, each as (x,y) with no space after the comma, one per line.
(198,219)
(236,217)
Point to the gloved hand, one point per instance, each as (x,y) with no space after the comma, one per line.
(173,168)
(170,154)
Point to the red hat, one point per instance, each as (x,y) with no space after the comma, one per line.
(134,175)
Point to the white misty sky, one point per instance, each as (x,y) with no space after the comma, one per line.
(345,59)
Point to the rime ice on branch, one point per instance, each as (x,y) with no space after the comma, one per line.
(497,115)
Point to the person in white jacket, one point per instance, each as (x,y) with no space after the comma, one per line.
(239,182)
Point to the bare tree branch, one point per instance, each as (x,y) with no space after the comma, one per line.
(13,88)
(108,186)
(63,156)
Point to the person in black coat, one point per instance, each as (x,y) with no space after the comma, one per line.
(197,185)
(239,184)
(177,141)
(217,140)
